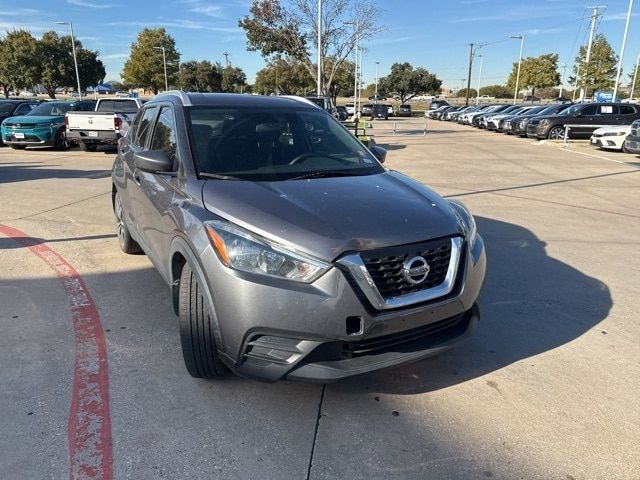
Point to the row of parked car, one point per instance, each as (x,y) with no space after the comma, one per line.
(62,123)
(379,110)
(608,125)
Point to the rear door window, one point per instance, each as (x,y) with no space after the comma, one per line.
(627,110)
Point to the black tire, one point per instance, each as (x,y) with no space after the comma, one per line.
(60,142)
(87,147)
(199,348)
(556,133)
(18,147)
(126,241)
(624,147)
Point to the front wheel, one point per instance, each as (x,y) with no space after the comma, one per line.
(199,348)
(556,133)
(60,142)
(624,147)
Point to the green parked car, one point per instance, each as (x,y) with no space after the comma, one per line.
(43,126)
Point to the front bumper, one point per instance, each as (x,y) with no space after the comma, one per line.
(273,329)
(40,136)
(632,144)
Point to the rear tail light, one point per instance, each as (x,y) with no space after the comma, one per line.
(66,121)
(117,121)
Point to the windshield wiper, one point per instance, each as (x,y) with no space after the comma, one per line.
(326,173)
(218,176)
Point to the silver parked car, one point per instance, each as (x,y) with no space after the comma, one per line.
(290,251)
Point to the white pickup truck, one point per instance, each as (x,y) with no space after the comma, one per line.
(104,126)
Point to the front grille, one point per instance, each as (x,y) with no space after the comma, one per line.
(634,132)
(27,138)
(385,266)
(21,125)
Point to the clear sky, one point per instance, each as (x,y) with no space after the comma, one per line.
(430,33)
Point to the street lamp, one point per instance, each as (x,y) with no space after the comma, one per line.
(515,95)
(164,62)
(75,59)
(375,98)
(479,77)
(624,42)
(355,75)
(319,83)
(564,69)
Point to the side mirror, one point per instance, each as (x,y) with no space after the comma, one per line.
(379,152)
(154,161)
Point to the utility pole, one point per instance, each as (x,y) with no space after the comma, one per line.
(592,31)
(466,100)
(515,94)
(575,85)
(75,59)
(226,58)
(564,69)
(375,96)
(624,41)
(479,77)
(319,85)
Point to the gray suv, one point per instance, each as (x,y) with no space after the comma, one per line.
(290,251)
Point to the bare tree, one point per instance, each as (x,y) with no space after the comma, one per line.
(290,27)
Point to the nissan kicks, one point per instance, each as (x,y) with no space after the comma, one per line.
(290,251)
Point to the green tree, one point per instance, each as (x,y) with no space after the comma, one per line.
(343,81)
(57,67)
(636,90)
(200,76)
(144,68)
(600,72)
(19,65)
(497,91)
(535,72)
(289,28)
(233,80)
(408,82)
(284,76)
(463,93)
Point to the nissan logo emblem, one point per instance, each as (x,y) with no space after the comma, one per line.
(415,270)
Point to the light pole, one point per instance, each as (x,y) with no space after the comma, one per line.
(164,62)
(355,75)
(635,76)
(515,94)
(564,69)
(479,77)
(319,83)
(624,42)
(575,86)
(375,97)
(75,59)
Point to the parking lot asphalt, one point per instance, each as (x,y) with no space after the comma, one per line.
(547,388)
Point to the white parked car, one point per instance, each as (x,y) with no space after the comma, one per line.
(611,138)
(351,109)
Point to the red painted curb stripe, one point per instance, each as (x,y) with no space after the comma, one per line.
(89,427)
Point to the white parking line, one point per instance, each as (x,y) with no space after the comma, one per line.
(600,156)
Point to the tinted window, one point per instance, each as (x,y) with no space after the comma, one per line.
(589,110)
(6,107)
(627,110)
(124,106)
(164,134)
(274,144)
(143,122)
(24,108)
(51,109)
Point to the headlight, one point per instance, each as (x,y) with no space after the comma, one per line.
(245,251)
(466,220)
(614,134)
(523,123)
(544,121)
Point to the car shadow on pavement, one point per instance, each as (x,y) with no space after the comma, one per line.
(22,173)
(7,243)
(531,303)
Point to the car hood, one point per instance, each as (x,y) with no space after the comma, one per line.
(622,128)
(326,217)
(38,120)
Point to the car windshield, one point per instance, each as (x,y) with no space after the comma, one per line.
(274,144)
(6,107)
(50,109)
